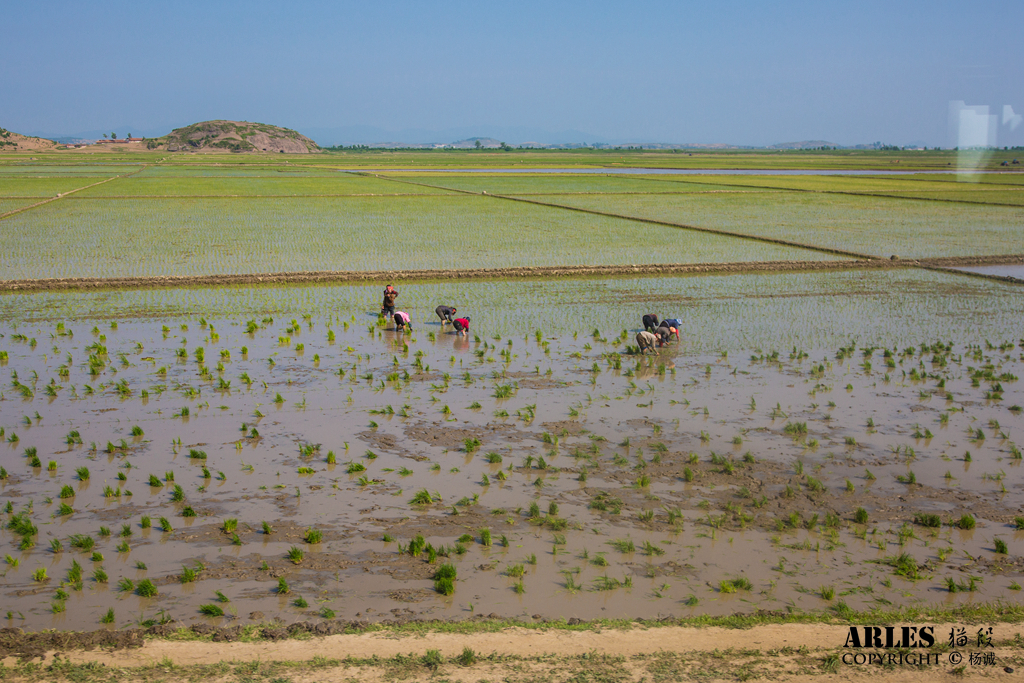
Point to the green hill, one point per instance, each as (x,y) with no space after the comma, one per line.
(234,136)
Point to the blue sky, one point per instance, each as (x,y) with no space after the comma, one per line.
(736,72)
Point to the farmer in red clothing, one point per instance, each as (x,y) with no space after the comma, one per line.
(388,307)
(462,325)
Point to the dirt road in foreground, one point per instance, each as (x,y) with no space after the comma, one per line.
(790,652)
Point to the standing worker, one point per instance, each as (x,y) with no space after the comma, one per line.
(445,313)
(461,325)
(388,307)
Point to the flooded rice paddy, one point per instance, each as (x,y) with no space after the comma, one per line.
(201,235)
(560,474)
(866,225)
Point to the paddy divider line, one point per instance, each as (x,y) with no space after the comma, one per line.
(848,193)
(63,195)
(684,226)
(937,264)
(523,272)
(652,221)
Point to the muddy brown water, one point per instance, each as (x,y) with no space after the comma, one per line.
(688,455)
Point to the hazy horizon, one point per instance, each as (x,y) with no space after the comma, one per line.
(739,73)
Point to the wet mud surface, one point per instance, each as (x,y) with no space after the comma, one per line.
(563,477)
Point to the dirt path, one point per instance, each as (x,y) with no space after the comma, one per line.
(62,195)
(351,276)
(780,651)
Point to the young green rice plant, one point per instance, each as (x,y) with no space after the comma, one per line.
(606,583)
(422,497)
(928,520)
(904,565)
(211,610)
(966,521)
(623,545)
(444,579)
(963,586)
(314,535)
(909,478)
(82,542)
(282,586)
(652,550)
(296,554)
(39,575)
(165,525)
(146,589)
(82,473)
(795,429)
(1000,546)
(187,511)
(515,571)
(75,572)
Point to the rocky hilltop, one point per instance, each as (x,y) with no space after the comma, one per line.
(234,136)
(15,142)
